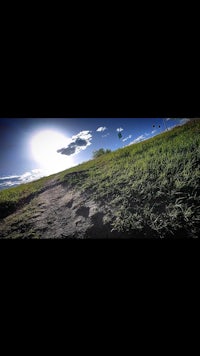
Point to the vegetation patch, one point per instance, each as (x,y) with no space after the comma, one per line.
(152,188)
(14,198)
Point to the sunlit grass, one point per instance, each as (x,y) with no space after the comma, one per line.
(12,198)
(152,187)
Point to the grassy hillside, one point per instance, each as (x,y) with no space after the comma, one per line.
(13,198)
(152,188)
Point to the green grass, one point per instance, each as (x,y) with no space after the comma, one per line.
(11,199)
(152,187)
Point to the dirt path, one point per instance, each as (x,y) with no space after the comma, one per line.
(59,213)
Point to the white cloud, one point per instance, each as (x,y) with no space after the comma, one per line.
(153,132)
(127,138)
(33,175)
(9,177)
(101,129)
(77,143)
(7,185)
(106,135)
(171,127)
(138,139)
(14,180)
(120,129)
(85,135)
(183,121)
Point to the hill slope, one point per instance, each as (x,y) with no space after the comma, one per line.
(150,189)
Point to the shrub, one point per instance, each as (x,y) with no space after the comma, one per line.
(100,152)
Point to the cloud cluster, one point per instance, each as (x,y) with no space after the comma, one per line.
(140,138)
(127,138)
(172,127)
(154,131)
(145,136)
(106,135)
(120,129)
(171,118)
(101,129)
(14,180)
(77,143)
(183,121)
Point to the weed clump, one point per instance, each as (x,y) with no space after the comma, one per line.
(152,188)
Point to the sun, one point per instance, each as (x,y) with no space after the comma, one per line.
(44,146)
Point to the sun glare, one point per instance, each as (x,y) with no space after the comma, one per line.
(44,146)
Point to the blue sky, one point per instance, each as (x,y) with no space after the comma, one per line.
(31,148)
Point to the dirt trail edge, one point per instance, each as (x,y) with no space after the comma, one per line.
(59,212)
